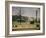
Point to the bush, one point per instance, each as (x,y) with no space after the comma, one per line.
(38,26)
(38,21)
(31,22)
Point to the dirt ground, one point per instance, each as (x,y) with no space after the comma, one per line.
(22,26)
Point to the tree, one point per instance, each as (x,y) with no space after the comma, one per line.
(20,15)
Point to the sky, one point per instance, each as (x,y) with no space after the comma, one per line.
(26,11)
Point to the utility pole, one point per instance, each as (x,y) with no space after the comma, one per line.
(36,16)
(20,16)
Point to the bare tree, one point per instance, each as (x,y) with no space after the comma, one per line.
(19,14)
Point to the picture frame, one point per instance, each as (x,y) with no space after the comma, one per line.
(11,10)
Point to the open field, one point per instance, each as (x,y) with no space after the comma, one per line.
(23,26)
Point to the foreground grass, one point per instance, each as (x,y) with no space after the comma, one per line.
(23,25)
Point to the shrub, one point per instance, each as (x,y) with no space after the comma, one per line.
(38,26)
(31,22)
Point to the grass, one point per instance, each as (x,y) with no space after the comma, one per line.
(23,25)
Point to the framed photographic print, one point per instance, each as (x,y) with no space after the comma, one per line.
(24,18)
